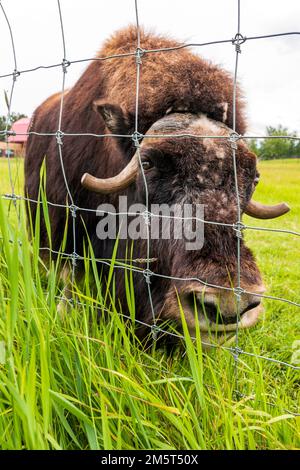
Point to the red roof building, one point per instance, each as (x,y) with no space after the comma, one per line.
(16,143)
(20,127)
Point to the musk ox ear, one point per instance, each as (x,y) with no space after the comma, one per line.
(222,111)
(116,120)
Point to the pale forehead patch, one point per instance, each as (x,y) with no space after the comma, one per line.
(215,145)
(220,152)
(208,124)
(198,124)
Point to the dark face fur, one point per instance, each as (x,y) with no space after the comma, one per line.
(193,170)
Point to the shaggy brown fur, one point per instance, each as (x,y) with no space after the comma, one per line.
(168,79)
(103,101)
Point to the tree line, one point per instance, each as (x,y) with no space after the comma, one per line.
(269,149)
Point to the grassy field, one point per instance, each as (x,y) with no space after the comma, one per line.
(81,384)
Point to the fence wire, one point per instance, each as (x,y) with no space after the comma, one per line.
(237,41)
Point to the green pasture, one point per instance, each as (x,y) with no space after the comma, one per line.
(81,383)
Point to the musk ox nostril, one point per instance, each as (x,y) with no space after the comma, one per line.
(208,308)
(212,312)
(252,305)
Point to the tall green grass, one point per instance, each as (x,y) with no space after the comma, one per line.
(84,383)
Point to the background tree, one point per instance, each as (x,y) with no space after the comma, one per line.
(268,149)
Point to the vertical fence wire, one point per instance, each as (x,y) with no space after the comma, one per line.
(236,183)
(147,219)
(59,140)
(9,100)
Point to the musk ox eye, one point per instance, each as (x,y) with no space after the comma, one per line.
(256,180)
(147,164)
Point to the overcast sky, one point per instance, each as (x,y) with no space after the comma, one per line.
(269,69)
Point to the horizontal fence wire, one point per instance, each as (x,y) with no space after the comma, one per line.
(146,136)
(101,212)
(232,350)
(145,51)
(136,137)
(106,262)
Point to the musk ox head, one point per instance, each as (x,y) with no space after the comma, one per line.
(182,167)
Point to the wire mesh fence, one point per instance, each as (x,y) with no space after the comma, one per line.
(238,42)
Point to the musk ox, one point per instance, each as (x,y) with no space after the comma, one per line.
(180,94)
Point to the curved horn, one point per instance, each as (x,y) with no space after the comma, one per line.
(116,183)
(260,211)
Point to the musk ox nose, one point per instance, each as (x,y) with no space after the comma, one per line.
(213,312)
(222,309)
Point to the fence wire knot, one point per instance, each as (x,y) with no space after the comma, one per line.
(154,331)
(233,139)
(147,217)
(236,351)
(75,257)
(59,137)
(237,41)
(73,210)
(12,197)
(8,133)
(139,52)
(65,64)
(147,275)
(16,74)
(238,228)
(236,395)
(136,138)
(238,291)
